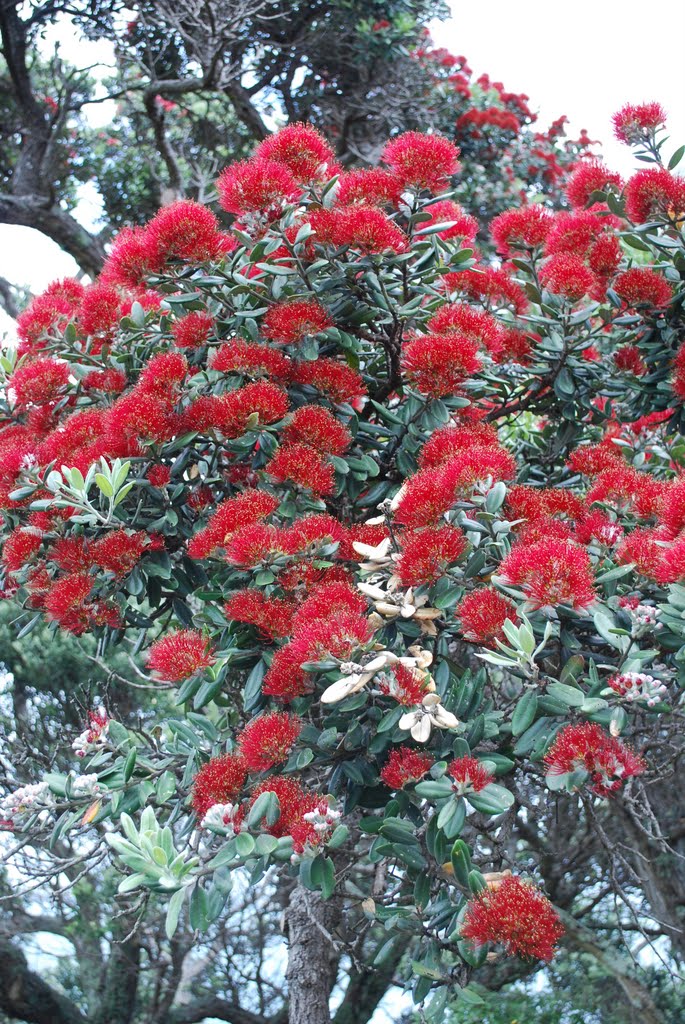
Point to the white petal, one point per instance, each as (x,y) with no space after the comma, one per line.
(371,590)
(431,700)
(443,718)
(375,521)
(409,720)
(422,730)
(376,554)
(340,689)
(387,609)
(407,610)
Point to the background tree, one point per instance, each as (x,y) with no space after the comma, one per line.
(197,84)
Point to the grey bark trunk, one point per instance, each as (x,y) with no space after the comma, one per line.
(312,957)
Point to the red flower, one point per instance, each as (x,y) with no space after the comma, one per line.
(422,161)
(100,310)
(469,774)
(588,177)
(67,601)
(294,802)
(336,380)
(652,192)
(472,323)
(604,255)
(159,476)
(300,148)
(139,416)
(317,427)
(112,381)
(404,684)
(230,516)
(186,231)
(252,545)
(271,615)
(525,228)
(179,655)
(372,187)
(236,412)
(118,552)
(257,186)
(405,765)
(437,364)
(592,459)
(251,359)
(133,256)
(482,614)
(493,287)
(39,382)
(643,548)
(290,322)
(517,916)
(627,359)
(268,739)
(450,441)
(625,488)
(19,548)
(163,374)
(192,330)
(218,782)
(566,275)
(330,599)
(671,568)
(642,286)
(364,228)
(428,554)
(550,572)
(636,123)
(428,495)
(303,466)
(587,747)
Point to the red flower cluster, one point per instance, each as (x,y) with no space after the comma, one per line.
(267,740)
(550,572)
(641,286)
(654,192)
(607,761)
(272,616)
(427,554)
(635,123)
(192,330)
(403,766)
(517,916)
(482,614)
(526,229)
(437,364)
(290,322)
(422,161)
(180,654)
(220,781)
(469,774)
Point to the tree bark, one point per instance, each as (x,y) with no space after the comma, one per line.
(312,957)
(25,996)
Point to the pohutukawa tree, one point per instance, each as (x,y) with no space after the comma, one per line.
(403,531)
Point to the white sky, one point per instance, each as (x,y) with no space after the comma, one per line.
(584,60)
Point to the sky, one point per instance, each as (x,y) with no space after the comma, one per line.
(584,60)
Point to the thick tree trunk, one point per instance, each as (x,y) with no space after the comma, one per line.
(312,957)
(25,996)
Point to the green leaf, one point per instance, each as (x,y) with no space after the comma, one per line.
(173,912)
(244,843)
(525,712)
